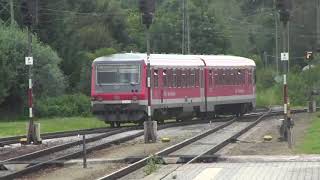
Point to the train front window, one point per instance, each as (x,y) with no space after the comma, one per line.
(118,74)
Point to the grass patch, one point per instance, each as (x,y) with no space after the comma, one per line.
(18,127)
(153,165)
(267,97)
(311,140)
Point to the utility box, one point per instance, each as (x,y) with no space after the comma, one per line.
(150,131)
(37,133)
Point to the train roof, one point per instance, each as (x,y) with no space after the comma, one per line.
(175,60)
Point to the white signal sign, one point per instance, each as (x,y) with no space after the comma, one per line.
(284,56)
(29,60)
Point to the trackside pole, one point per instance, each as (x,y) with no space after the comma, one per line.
(286,129)
(31,137)
(150,127)
(84,151)
(147,9)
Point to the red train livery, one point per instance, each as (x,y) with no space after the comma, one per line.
(183,86)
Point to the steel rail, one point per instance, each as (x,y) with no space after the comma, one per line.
(16,139)
(218,147)
(137,165)
(133,167)
(39,165)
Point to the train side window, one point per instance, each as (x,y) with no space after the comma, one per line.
(197,78)
(237,77)
(230,77)
(186,77)
(240,78)
(215,77)
(188,81)
(235,82)
(227,77)
(169,77)
(210,78)
(243,77)
(174,78)
(233,74)
(155,78)
(183,78)
(218,77)
(249,76)
(223,77)
(165,78)
(192,78)
(254,76)
(178,78)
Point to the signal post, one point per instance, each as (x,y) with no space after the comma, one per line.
(283,7)
(33,135)
(147,9)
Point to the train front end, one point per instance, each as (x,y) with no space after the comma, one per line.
(118,89)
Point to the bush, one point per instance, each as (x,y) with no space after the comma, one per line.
(47,77)
(270,96)
(63,106)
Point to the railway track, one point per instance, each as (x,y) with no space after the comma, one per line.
(45,136)
(205,143)
(60,153)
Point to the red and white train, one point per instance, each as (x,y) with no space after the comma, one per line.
(183,86)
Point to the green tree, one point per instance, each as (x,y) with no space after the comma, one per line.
(48,79)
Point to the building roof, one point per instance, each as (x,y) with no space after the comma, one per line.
(176,60)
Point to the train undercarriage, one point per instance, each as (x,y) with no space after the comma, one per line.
(135,113)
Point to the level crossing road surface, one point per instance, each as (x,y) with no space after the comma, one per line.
(273,168)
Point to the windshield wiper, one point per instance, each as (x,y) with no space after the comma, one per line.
(134,83)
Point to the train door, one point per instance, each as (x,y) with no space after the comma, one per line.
(248,80)
(155,94)
(203,90)
(163,87)
(160,87)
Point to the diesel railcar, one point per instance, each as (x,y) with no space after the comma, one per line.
(183,86)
